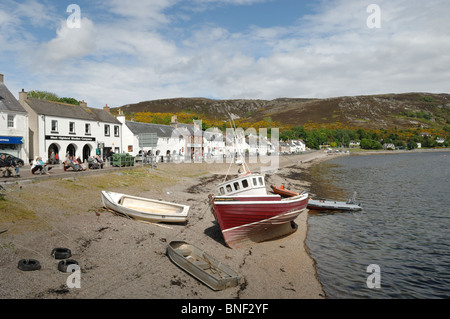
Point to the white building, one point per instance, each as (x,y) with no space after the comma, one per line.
(13,124)
(76,130)
(169,140)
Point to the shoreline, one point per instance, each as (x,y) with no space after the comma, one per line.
(123,258)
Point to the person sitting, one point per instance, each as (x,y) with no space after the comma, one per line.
(81,164)
(39,165)
(70,163)
(92,163)
(99,161)
(7,167)
(16,166)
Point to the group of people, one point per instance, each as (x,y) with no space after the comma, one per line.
(8,166)
(39,165)
(94,162)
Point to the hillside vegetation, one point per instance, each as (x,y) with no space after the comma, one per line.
(401,116)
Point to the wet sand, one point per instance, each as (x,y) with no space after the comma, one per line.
(126,259)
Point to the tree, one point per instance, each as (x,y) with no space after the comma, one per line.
(43,95)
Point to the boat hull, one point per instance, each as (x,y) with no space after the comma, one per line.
(145,209)
(250,219)
(332,205)
(202,266)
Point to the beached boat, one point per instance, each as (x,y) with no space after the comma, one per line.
(323,204)
(202,266)
(247,214)
(144,208)
(283,192)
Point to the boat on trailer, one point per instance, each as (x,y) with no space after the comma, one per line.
(145,209)
(202,266)
(247,214)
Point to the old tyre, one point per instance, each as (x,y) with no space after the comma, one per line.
(29,264)
(64,264)
(61,253)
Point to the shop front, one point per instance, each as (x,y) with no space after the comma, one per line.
(11,145)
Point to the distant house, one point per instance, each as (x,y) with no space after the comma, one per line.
(354,144)
(13,124)
(169,141)
(425,134)
(76,130)
(440,140)
(388,146)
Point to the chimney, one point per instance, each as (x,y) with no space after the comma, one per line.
(23,95)
(83,104)
(2,77)
(174,121)
(106,108)
(121,117)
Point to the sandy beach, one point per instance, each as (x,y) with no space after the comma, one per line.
(126,259)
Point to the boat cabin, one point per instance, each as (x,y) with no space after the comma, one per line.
(248,184)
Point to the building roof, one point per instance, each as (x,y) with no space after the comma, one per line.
(140,128)
(49,108)
(8,102)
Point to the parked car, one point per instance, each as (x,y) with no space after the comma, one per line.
(19,161)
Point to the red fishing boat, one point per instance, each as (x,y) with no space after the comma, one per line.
(247,214)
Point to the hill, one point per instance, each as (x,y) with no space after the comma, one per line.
(402,111)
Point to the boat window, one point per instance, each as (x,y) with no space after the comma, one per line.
(236,186)
(244,183)
(222,191)
(229,190)
(255,183)
(261,181)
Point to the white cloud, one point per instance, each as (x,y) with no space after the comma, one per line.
(69,43)
(133,56)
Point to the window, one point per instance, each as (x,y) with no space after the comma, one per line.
(255,182)
(10,120)
(106,129)
(116,130)
(222,191)
(244,183)
(71,127)
(87,129)
(54,126)
(236,186)
(261,181)
(229,190)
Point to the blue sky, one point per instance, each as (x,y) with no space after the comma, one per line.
(132,51)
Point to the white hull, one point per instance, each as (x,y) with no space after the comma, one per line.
(145,209)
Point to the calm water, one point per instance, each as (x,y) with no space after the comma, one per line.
(404,227)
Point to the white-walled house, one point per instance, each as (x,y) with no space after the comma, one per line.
(13,124)
(169,140)
(76,130)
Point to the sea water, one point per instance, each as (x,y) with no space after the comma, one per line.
(403,229)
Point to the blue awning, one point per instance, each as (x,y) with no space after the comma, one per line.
(11,140)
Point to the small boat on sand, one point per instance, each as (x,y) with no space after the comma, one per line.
(202,266)
(145,209)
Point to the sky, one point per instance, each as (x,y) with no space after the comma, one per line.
(119,52)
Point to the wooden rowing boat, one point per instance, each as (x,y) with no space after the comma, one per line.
(145,209)
(202,266)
